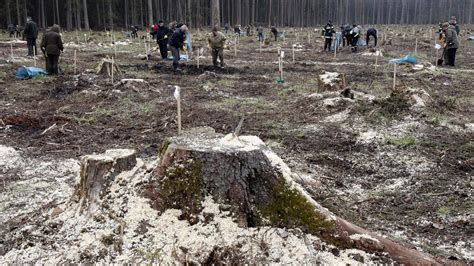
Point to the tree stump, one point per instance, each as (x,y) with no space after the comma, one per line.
(98,172)
(243,173)
(107,66)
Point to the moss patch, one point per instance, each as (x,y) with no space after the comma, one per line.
(290,209)
(181,188)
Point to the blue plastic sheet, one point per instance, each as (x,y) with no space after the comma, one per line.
(470,38)
(29,72)
(405,60)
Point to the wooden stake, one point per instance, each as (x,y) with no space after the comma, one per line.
(394,76)
(75,61)
(293,53)
(146,50)
(416,46)
(34,54)
(11,49)
(335,48)
(261,46)
(235,47)
(309,38)
(115,47)
(112,74)
(198,57)
(376,59)
(177,96)
(85,38)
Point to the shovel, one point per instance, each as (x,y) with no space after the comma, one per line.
(441,60)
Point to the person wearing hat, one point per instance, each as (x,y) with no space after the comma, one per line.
(52,46)
(162,38)
(31,33)
(328,32)
(216,43)
(452,43)
(177,42)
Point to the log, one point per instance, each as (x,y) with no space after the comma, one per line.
(97,173)
(243,173)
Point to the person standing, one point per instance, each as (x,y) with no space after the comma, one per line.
(328,32)
(260,34)
(216,43)
(31,34)
(452,43)
(226,27)
(162,37)
(454,22)
(354,36)
(11,29)
(371,32)
(275,33)
(176,43)
(52,46)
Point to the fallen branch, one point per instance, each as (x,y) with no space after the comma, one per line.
(48,129)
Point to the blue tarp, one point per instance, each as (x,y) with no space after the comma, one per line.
(405,60)
(29,72)
(470,38)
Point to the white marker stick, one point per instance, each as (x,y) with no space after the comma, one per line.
(34,54)
(198,58)
(75,61)
(85,38)
(376,59)
(177,96)
(293,53)
(11,49)
(416,46)
(112,74)
(335,47)
(115,47)
(394,76)
(235,47)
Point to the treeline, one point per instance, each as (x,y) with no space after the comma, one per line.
(99,14)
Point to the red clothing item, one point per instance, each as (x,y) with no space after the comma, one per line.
(155,28)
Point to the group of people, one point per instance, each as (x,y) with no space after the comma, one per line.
(349,36)
(173,37)
(15,31)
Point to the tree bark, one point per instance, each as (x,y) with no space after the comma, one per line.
(111,15)
(69,15)
(216,14)
(57,12)
(86,15)
(9,12)
(97,173)
(150,13)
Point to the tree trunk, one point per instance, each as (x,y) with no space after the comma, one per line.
(150,13)
(69,15)
(57,12)
(44,20)
(86,15)
(9,12)
(25,10)
(111,15)
(18,17)
(260,188)
(216,14)
(99,20)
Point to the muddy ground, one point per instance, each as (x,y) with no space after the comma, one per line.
(399,163)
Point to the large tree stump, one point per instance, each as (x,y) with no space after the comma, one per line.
(98,172)
(260,188)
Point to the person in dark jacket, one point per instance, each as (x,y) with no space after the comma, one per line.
(11,29)
(52,46)
(328,32)
(275,33)
(237,30)
(134,34)
(176,43)
(162,37)
(371,32)
(452,44)
(31,33)
(354,36)
(454,22)
(346,29)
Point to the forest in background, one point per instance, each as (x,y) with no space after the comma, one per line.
(87,14)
